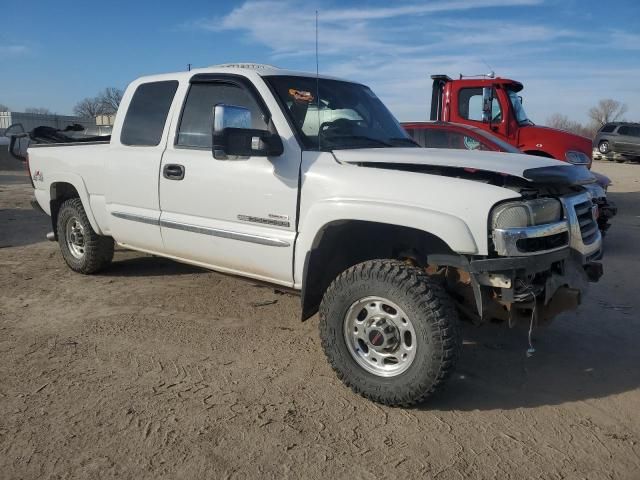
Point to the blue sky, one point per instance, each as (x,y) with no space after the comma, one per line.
(568,53)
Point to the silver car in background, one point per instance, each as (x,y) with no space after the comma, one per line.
(619,141)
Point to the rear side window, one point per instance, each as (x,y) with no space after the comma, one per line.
(147,113)
(608,128)
(441,138)
(628,130)
(197,117)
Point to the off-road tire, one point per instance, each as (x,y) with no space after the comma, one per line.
(432,312)
(98,251)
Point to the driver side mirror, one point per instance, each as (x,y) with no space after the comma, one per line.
(18,141)
(487,101)
(233,136)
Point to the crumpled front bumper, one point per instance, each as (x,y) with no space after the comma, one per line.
(503,287)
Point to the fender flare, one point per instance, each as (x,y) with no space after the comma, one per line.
(78,183)
(450,229)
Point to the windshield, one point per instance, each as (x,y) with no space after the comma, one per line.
(346,115)
(518,109)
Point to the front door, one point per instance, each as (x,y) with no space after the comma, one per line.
(235,215)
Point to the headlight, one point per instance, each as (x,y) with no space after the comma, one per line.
(577,158)
(526,213)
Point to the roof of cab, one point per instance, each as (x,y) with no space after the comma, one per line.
(262,70)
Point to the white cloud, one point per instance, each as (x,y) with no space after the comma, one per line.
(395,49)
(13,50)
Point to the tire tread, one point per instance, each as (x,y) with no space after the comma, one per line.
(430,297)
(98,249)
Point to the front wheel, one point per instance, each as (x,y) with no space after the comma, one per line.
(390,332)
(82,248)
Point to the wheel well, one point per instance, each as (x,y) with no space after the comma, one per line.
(60,192)
(539,153)
(342,244)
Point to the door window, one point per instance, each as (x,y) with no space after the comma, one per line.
(439,138)
(197,117)
(147,113)
(470,105)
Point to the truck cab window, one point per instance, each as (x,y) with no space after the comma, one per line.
(147,114)
(197,118)
(470,105)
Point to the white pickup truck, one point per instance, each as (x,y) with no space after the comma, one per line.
(310,183)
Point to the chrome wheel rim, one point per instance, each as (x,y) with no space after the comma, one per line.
(380,336)
(74,236)
(604,147)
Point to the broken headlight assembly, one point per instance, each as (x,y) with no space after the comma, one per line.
(529,227)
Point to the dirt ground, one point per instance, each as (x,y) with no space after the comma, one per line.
(154,369)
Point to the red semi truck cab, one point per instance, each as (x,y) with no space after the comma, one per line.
(495,105)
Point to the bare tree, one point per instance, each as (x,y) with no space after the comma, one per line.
(562,122)
(90,107)
(607,110)
(4,108)
(110,100)
(39,110)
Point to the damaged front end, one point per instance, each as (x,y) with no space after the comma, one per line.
(537,270)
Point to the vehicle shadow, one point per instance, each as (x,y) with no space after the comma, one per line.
(20,227)
(572,362)
(142,265)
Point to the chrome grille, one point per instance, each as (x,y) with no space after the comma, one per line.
(588,226)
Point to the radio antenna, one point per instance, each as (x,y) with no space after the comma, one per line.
(318,85)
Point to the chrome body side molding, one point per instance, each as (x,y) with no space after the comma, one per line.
(215,232)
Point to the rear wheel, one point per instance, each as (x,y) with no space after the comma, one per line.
(603,147)
(82,248)
(389,331)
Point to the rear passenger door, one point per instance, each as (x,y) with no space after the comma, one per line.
(133,166)
(628,140)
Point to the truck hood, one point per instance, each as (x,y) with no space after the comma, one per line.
(553,139)
(526,167)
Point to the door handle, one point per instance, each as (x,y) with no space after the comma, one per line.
(173,171)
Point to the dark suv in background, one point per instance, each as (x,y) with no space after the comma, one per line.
(619,141)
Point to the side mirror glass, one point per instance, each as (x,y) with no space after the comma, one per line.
(233,137)
(487,100)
